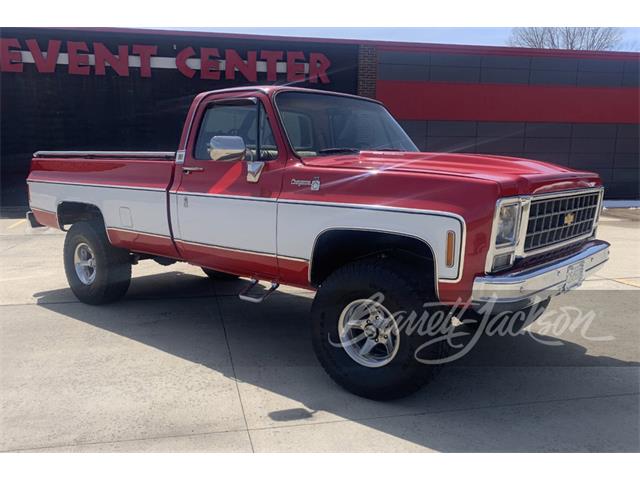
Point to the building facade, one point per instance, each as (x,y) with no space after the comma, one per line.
(120,89)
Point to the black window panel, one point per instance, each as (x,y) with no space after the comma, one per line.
(547,145)
(417,131)
(557,158)
(499,145)
(503,61)
(452,129)
(504,75)
(403,58)
(500,129)
(454,60)
(452,144)
(553,77)
(627,145)
(588,161)
(628,130)
(626,160)
(455,74)
(599,79)
(594,130)
(631,79)
(541,130)
(599,65)
(593,145)
(554,63)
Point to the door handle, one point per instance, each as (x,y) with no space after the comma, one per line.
(188,170)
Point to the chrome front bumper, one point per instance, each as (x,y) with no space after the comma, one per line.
(518,289)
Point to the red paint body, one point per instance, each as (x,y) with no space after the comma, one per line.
(462,184)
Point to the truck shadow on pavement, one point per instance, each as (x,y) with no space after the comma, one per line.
(514,393)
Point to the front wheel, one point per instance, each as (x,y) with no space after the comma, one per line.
(97,271)
(361,333)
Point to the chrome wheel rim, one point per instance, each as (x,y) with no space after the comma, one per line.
(85,263)
(368,333)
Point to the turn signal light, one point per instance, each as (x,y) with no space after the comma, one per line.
(451,248)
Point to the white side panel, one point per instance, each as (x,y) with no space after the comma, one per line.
(227,222)
(147,208)
(300,224)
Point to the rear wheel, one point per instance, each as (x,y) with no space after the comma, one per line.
(216,275)
(97,271)
(361,336)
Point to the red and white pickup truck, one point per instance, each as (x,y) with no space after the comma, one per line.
(325,191)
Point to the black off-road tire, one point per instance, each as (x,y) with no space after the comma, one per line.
(112,265)
(220,276)
(404,289)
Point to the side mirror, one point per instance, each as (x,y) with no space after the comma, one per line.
(226,148)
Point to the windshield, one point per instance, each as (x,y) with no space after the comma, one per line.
(319,124)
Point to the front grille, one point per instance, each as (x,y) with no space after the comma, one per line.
(555,220)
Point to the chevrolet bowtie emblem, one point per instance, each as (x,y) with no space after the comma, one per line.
(569,218)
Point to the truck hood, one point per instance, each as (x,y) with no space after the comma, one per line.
(515,176)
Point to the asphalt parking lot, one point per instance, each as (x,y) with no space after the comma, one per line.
(182,365)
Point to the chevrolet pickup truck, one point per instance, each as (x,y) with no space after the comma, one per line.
(325,191)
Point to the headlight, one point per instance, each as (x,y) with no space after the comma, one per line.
(508,224)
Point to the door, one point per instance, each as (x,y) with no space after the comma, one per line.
(226,207)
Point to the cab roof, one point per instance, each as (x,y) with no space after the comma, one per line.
(273,89)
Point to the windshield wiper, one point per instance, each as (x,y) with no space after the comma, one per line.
(330,151)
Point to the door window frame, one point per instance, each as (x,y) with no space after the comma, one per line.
(190,151)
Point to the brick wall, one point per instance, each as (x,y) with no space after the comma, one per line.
(367,71)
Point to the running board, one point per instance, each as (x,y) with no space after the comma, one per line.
(244,294)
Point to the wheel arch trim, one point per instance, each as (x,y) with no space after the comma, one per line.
(62,202)
(374,230)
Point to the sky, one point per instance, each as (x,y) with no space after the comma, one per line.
(465,36)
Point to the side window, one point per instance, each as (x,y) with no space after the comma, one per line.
(236,121)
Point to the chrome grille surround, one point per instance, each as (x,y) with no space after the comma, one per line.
(555,220)
(517,250)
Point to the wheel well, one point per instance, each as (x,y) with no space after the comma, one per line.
(335,248)
(73,212)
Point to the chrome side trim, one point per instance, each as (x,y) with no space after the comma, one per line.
(237,250)
(101,153)
(223,196)
(416,211)
(521,288)
(219,247)
(99,185)
(138,232)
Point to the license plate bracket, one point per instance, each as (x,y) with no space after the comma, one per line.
(575,275)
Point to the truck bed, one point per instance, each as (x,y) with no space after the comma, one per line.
(129,188)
